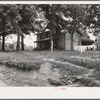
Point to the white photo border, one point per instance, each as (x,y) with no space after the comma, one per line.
(49,92)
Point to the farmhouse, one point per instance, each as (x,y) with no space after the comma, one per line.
(62,40)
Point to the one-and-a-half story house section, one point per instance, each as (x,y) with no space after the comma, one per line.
(62,40)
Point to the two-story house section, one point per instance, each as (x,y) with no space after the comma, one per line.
(62,40)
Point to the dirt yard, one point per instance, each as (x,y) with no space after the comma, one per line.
(43,68)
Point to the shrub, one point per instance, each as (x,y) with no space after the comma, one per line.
(23,65)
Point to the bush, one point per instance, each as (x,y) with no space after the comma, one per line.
(23,65)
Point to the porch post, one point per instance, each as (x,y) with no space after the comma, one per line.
(80,41)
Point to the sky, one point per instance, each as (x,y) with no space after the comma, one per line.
(92,37)
(28,40)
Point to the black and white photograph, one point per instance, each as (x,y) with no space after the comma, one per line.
(49,49)
(49,45)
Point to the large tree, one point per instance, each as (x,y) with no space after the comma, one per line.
(16,19)
(32,20)
(93,20)
(93,17)
(67,17)
(8,16)
(73,18)
(28,14)
(49,13)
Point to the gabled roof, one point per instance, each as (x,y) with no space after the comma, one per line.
(41,40)
(82,32)
(86,39)
(78,31)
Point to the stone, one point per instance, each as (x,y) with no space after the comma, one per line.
(45,68)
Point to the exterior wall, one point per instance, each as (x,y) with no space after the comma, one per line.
(76,38)
(38,38)
(61,42)
(67,41)
(64,42)
(43,44)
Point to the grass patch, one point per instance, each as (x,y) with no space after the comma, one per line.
(66,69)
(21,60)
(88,63)
(88,82)
(28,61)
(96,74)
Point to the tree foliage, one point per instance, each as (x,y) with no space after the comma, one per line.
(93,19)
(64,17)
(16,19)
(20,19)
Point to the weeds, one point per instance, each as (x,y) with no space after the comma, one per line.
(88,82)
(23,65)
(66,69)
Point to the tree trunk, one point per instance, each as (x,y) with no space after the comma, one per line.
(51,41)
(18,42)
(22,42)
(52,27)
(3,42)
(72,41)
